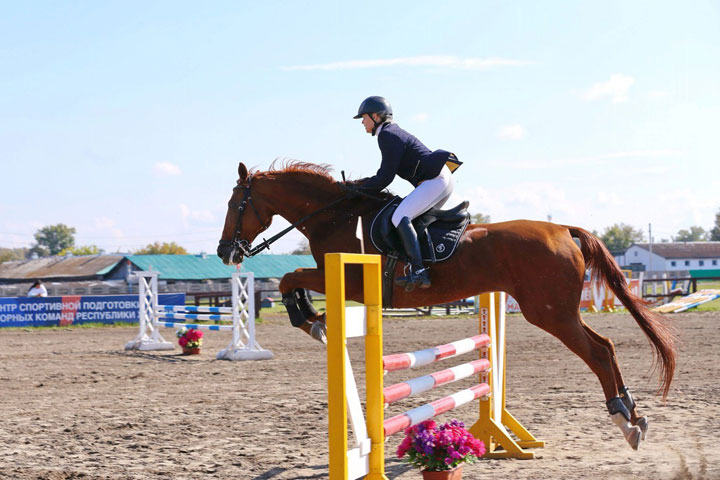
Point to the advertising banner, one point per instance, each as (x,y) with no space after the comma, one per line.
(75,309)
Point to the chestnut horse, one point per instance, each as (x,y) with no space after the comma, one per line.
(538,263)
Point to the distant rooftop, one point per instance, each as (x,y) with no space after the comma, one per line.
(684,249)
(195,267)
(171,267)
(83,267)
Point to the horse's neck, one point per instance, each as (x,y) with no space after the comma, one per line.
(296,198)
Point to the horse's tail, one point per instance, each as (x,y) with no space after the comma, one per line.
(655,326)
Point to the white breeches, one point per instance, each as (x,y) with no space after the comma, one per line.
(430,193)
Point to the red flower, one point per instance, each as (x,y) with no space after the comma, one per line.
(193,335)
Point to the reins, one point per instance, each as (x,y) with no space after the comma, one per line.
(266,243)
(249,251)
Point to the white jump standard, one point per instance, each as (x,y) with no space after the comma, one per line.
(243,345)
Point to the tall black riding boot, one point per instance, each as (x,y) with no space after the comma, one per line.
(418,275)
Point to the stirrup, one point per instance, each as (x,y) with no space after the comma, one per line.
(419,278)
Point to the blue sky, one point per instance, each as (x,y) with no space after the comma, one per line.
(126,120)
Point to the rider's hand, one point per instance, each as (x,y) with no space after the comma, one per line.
(351,190)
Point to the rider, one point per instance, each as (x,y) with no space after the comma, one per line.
(429,172)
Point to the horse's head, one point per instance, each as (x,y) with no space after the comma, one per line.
(246,218)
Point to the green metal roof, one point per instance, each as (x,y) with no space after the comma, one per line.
(195,267)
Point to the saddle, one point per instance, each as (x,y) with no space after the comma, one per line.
(438,232)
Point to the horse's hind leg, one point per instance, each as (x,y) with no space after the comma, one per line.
(570,329)
(623,391)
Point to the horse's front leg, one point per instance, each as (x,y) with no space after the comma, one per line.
(294,287)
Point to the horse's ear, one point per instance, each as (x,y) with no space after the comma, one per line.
(242,172)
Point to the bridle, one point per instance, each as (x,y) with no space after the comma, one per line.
(243,245)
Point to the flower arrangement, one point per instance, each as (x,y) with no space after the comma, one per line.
(189,337)
(438,448)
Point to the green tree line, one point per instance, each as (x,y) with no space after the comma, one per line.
(59,240)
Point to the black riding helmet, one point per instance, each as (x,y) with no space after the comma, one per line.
(375,105)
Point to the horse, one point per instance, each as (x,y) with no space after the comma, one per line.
(541,264)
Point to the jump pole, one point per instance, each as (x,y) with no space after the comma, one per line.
(367,457)
(494,420)
(372,446)
(243,345)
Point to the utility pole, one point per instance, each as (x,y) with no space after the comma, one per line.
(650,244)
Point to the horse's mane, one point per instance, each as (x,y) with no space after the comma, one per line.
(297,166)
(320,171)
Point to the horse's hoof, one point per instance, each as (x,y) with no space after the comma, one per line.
(633,437)
(318,331)
(642,423)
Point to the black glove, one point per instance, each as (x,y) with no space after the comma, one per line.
(351,191)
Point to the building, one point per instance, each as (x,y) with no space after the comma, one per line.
(700,259)
(112,274)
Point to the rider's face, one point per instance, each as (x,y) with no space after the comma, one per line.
(367,122)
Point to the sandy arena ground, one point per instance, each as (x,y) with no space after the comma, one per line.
(76,406)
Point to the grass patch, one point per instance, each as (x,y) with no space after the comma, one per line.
(713,306)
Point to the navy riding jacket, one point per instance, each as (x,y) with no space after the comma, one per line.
(406,156)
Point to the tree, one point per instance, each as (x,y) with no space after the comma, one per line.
(715,231)
(480,218)
(52,239)
(162,248)
(8,254)
(303,248)
(83,250)
(694,234)
(620,236)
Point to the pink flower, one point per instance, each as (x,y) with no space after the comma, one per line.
(183,341)
(404,446)
(434,448)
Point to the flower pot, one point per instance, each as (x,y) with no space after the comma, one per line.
(454,474)
(191,351)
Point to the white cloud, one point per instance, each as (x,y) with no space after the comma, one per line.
(104,223)
(532,200)
(593,205)
(616,89)
(648,170)
(658,94)
(203,216)
(608,199)
(442,61)
(595,159)
(642,154)
(105,226)
(166,169)
(421,117)
(511,132)
(680,208)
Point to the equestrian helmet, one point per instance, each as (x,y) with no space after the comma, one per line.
(375,104)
